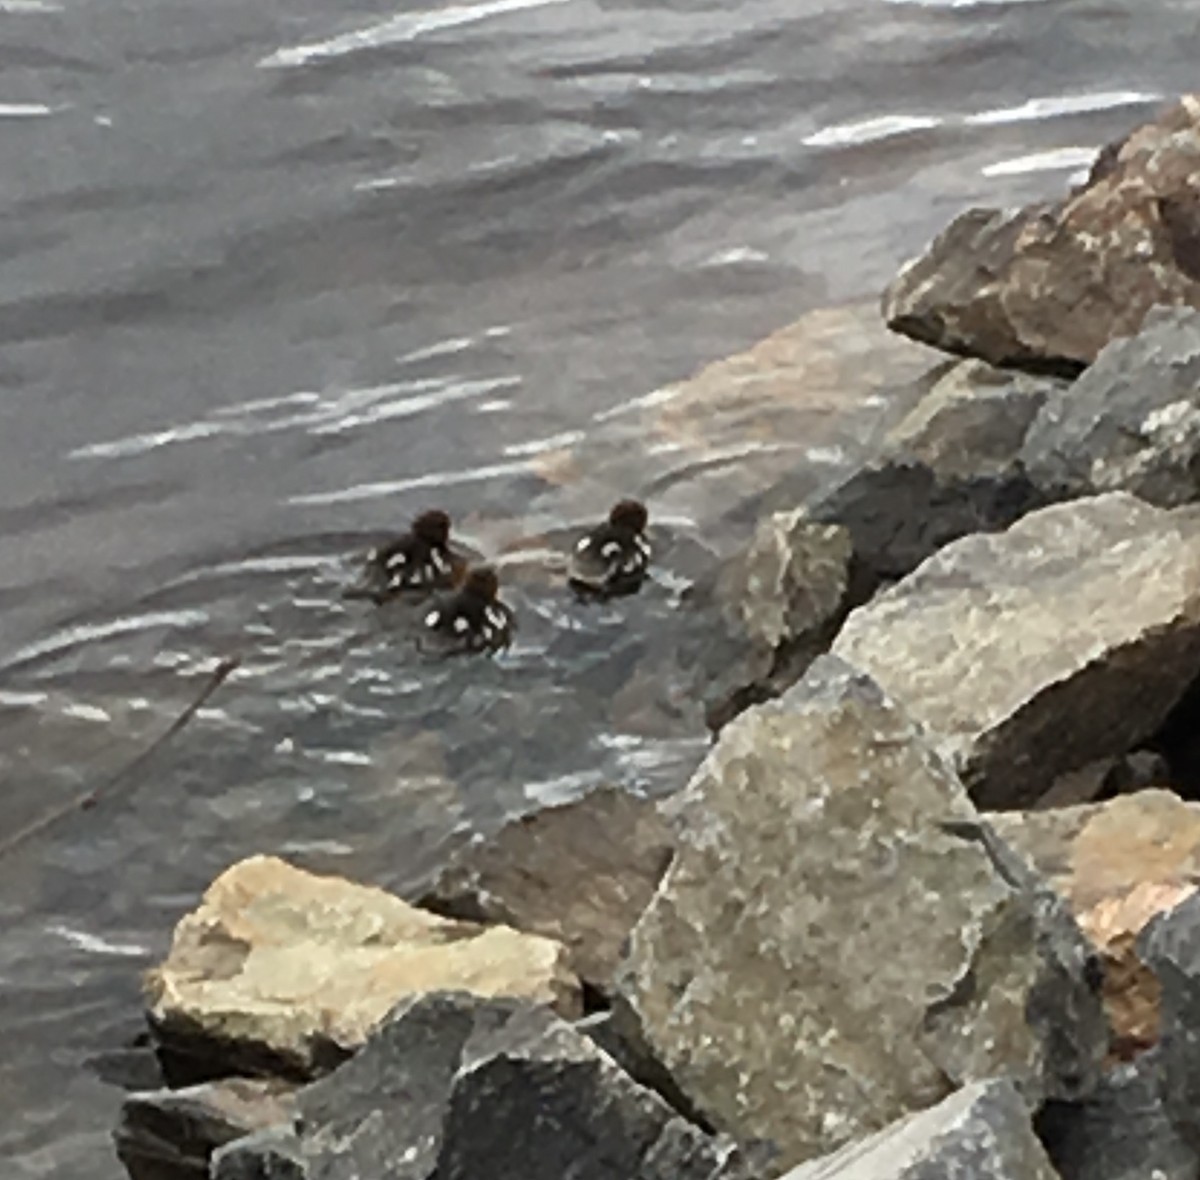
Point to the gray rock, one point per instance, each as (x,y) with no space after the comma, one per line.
(170,1134)
(981,1131)
(767,612)
(841,941)
(453,1087)
(1120,1132)
(950,468)
(1051,284)
(1033,652)
(274,1154)
(1131,422)
(580,873)
(1170,946)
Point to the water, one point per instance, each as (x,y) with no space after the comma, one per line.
(275,276)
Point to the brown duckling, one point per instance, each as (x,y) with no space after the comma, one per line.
(473,619)
(419,560)
(613,558)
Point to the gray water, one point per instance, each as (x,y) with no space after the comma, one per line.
(274,276)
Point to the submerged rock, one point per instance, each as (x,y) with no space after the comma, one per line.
(768,612)
(283,971)
(1051,284)
(1032,652)
(580,873)
(1131,422)
(171,1134)
(1118,864)
(840,941)
(983,1130)
(1120,1132)
(459,1088)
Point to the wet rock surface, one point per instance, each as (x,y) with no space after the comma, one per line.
(1131,422)
(1035,651)
(1119,1132)
(1118,864)
(833,879)
(458,1087)
(171,1134)
(283,971)
(1049,285)
(580,873)
(982,1130)
(767,613)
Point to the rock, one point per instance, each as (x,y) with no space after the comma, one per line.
(580,873)
(1029,653)
(1117,864)
(767,612)
(950,468)
(839,940)
(170,1134)
(282,971)
(1170,946)
(980,1131)
(458,1087)
(1131,422)
(274,1154)
(1106,778)
(1120,1132)
(1048,286)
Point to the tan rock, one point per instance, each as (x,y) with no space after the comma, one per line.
(580,873)
(1118,864)
(1052,284)
(284,970)
(1035,651)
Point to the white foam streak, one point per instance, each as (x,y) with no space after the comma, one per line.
(1059,159)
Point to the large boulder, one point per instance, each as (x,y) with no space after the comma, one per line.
(1118,865)
(840,941)
(458,1088)
(281,971)
(981,1130)
(1131,422)
(580,873)
(171,1134)
(1051,284)
(1035,651)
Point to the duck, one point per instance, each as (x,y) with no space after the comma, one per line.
(473,619)
(419,560)
(612,558)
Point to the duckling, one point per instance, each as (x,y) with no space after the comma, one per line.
(474,619)
(612,559)
(418,560)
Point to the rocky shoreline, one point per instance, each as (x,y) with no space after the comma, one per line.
(929,906)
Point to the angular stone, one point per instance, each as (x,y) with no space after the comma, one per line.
(1032,652)
(273,1154)
(1118,865)
(580,873)
(1131,422)
(457,1087)
(1170,945)
(1120,1132)
(949,468)
(839,941)
(983,1130)
(170,1134)
(1051,284)
(767,612)
(283,971)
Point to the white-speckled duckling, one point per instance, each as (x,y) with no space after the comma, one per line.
(419,560)
(613,558)
(473,619)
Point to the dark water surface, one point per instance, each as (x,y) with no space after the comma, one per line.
(275,275)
